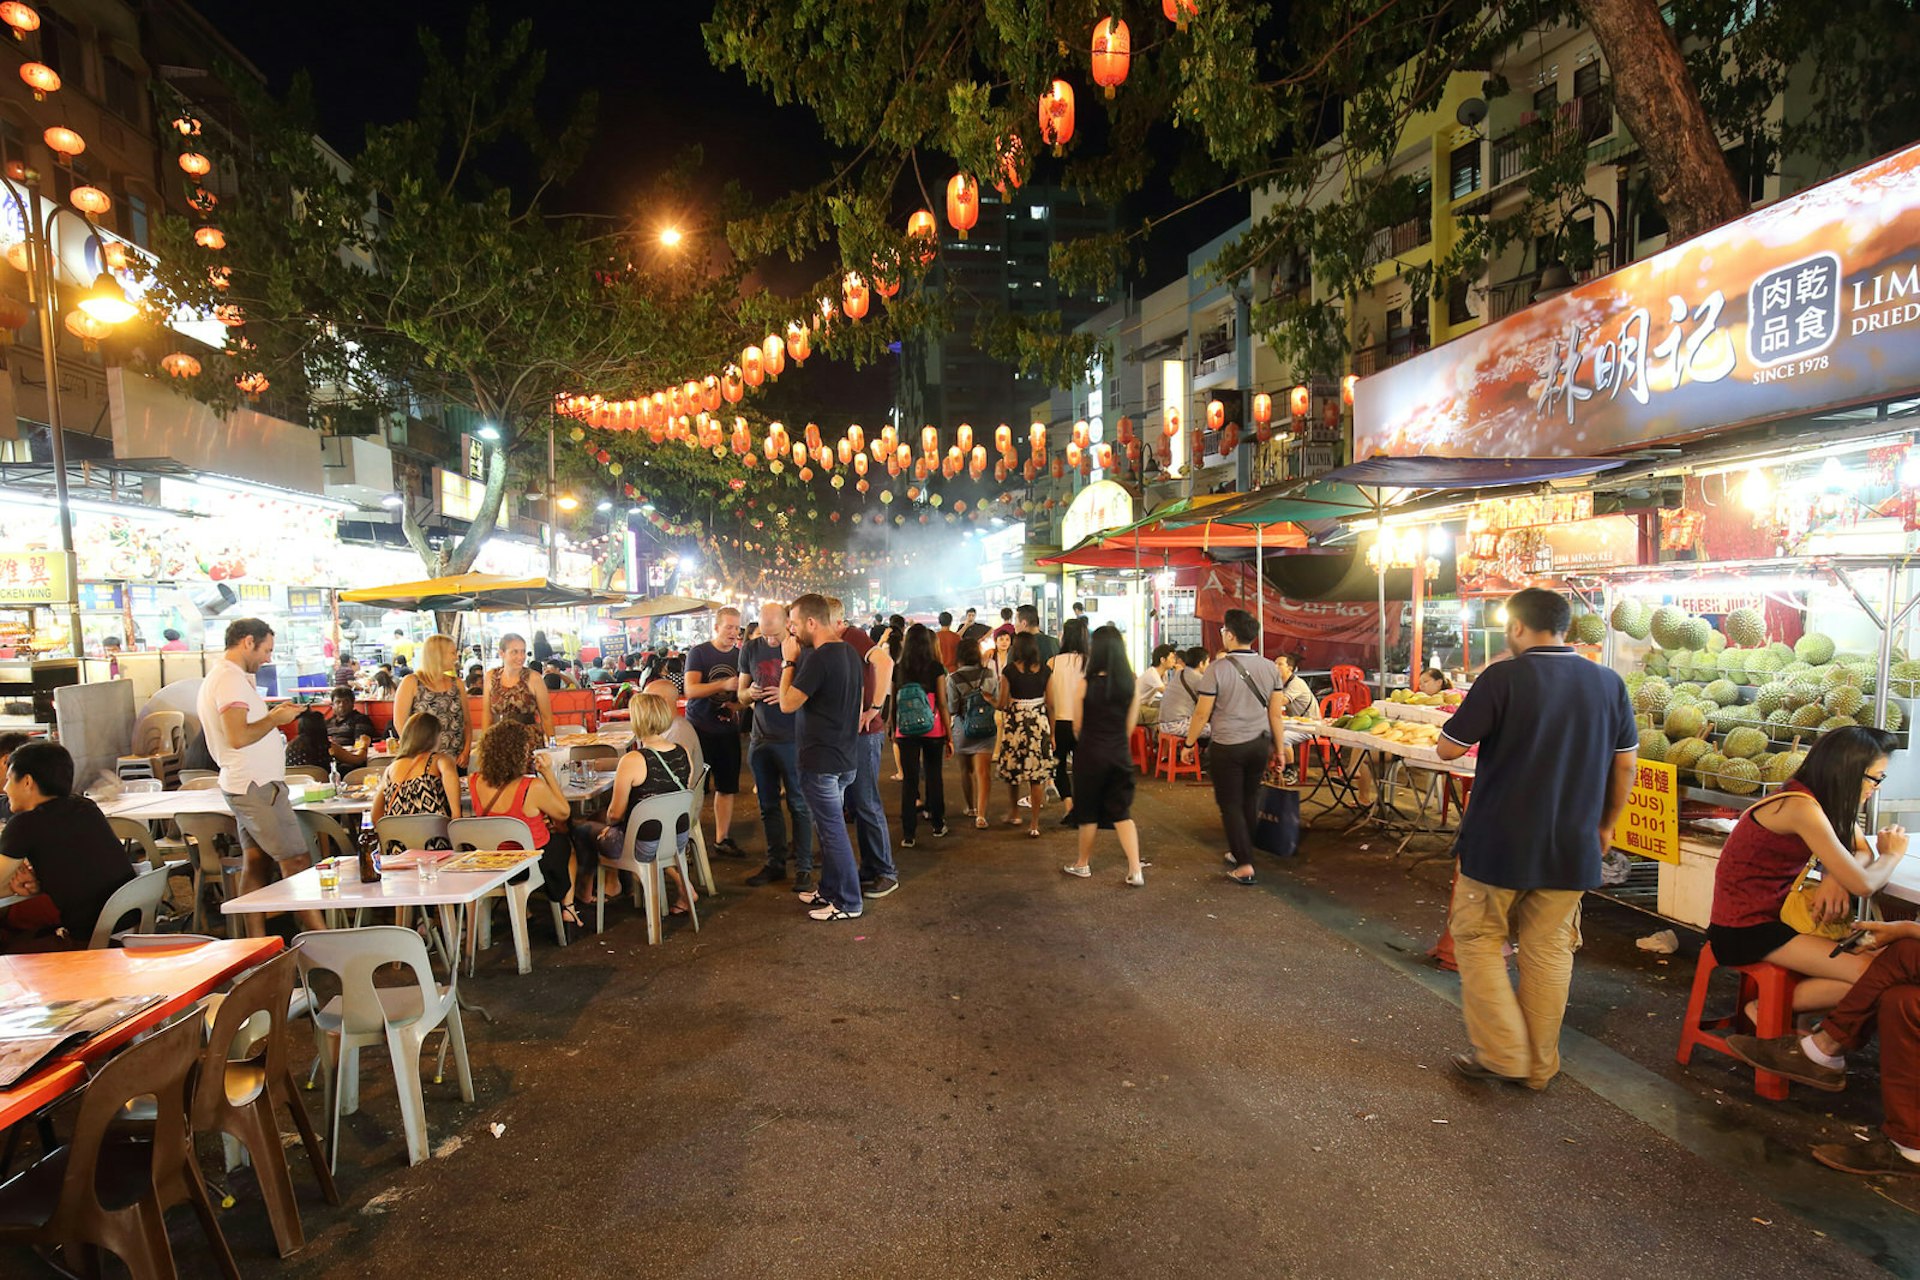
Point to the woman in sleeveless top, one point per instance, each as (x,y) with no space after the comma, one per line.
(970,676)
(502,788)
(1103,760)
(1026,738)
(1816,817)
(656,766)
(420,779)
(514,693)
(434,688)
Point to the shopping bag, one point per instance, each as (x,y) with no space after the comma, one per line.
(1278,831)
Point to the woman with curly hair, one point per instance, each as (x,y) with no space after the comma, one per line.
(502,787)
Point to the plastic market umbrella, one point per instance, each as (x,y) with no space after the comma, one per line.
(665,607)
(476,592)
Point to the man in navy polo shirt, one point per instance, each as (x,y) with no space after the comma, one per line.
(1557,745)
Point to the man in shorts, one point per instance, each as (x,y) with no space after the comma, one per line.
(713,709)
(245,741)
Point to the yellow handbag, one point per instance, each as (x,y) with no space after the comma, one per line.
(1797,911)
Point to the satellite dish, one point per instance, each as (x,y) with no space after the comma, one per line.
(1471,112)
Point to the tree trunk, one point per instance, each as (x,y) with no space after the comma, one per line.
(487,517)
(1658,104)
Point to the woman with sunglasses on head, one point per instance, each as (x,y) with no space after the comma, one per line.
(1815,817)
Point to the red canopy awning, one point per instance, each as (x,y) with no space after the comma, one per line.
(1220,534)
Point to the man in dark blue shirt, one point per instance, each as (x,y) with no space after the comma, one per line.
(774,755)
(1557,745)
(820,679)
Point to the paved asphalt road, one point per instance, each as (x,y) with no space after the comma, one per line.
(1004,1072)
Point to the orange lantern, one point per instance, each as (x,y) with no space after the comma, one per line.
(41,78)
(1171,427)
(690,397)
(180,365)
(659,400)
(252,383)
(812,436)
(857,434)
(826,461)
(710,393)
(186,126)
(1229,439)
(1262,409)
(1037,437)
(963,437)
(1074,454)
(799,454)
(1056,116)
(860,464)
(963,203)
(229,315)
(925,233)
(930,439)
(741,440)
(752,370)
(845,451)
(86,328)
(799,344)
(885,283)
(1082,433)
(1103,456)
(1112,53)
(1178,11)
(195,163)
(902,456)
(20,17)
(1346,388)
(853,295)
(806,473)
(1003,439)
(1013,163)
(778,434)
(1216,415)
(89,200)
(210,238)
(1300,400)
(773,355)
(64,142)
(732,386)
(220,278)
(1125,427)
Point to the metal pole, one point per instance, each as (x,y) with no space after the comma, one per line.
(1260,583)
(40,278)
(1380,584)
(553,499)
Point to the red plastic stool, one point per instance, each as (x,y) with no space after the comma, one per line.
(1770,984)
(1168,763)
(1140,746)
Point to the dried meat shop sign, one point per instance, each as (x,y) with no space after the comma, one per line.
(1808,304)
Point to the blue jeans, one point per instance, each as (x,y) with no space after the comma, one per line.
(868,814)
(839,876)
(776,768)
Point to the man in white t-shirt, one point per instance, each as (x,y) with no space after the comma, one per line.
(244,738)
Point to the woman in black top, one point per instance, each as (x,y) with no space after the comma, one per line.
(1102,764)
(921,753)
(1026,739)
(310,745)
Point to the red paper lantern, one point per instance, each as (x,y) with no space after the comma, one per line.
(799,344)
(1126,430)
(710,393)
(1216,415)
(1346,388)
(1178,11)
(41,78)
(1112,53)
(1262,409)
(963,203)
(924,232)
(1074,453)
(732,386)
(1037,438)
(1300,400)
(1171,427)
(1082,433)
(1003,439)
(853,295)
(773,355)
(1056,116)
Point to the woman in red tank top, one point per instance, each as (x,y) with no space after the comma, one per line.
(1815,816)
(502,789)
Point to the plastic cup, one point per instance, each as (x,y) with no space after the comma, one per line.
(429,865)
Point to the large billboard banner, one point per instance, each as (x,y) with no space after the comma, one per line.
(1812,303)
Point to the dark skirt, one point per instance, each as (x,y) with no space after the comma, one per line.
(1102,793)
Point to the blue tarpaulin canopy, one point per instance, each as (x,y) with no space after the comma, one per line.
(1425,472)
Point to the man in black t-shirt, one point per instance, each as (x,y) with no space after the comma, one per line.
(58,851)
(712,684)
(345,727)
(820,679)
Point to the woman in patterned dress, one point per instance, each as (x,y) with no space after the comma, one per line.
(434,688)
(421,778)
(516,693)
(1026,740)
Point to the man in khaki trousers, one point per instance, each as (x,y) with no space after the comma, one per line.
(1557,743)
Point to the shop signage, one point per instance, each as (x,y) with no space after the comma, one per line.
(1506,560)
(1100,506)
(459,496)
(1230,586)
(476,459)
(1809,304)
(34,577)
(1525,512)
(1651,825)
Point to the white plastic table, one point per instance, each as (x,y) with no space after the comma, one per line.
(160,805)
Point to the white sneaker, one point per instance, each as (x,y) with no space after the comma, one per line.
(1082,872)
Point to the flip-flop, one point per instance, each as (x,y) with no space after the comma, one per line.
(1241,879)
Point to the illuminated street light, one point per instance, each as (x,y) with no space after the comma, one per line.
(487,432)
(671,237)
(567,502)
(107,301)
(605,505)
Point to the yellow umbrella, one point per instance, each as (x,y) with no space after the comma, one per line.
(480,592)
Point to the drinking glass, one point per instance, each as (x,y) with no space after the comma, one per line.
(329,876)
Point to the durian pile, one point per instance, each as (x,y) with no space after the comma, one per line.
(1735,713)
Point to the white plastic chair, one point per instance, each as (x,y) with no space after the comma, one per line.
(366,775)
(159,744)
(363,1015)
(310,772)
(215,841)
(593,751)
(186,776)
(504,833)
(695,797)
(141,786)
(668,817)
(400,832)
(139,896)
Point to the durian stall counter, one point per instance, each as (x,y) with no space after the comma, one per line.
(1737,667)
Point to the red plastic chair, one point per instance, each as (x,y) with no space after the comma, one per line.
(1770,984)
(1169,763)
(1332,707)
(1352,681)
(1140,746)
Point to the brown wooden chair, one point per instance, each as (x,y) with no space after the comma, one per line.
(238,1097)
(110,1190)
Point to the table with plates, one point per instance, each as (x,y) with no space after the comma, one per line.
(179,975)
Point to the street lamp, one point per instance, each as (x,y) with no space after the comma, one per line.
(487,432)
(106,301)
(671,237)
(568,502)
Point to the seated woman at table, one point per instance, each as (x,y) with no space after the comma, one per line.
(57,852)
(1433,680)
(421,779)
(655,767)
(1814,818)
(310,745)
(502,788)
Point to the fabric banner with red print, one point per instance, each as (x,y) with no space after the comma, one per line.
(1323,622)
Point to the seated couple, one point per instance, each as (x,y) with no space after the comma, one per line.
(1815,819)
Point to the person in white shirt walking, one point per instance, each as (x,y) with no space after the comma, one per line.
(244,738)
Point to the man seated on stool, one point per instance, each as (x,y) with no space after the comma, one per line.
(57,852)
(1298,703)
(1152,682)
(349,729)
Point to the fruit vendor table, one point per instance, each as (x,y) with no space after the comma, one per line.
(1392,759)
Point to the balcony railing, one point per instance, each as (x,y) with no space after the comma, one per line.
(1402,237)
(1384,355)
(1579,121)
(1505,297)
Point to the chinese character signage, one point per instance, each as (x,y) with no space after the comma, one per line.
(33,577)
(1651,825)
(1100,506)
(1809,304)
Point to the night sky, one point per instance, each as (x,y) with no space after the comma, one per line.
(659,95)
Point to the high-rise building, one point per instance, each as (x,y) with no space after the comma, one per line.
(1002,267)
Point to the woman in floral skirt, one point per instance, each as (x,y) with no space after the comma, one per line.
(1026,739)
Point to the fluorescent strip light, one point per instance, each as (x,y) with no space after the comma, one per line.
(252,490)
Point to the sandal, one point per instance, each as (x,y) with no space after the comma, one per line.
(1033,833)
(679,909)
(980,824)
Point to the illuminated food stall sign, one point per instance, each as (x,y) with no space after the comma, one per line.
(1809,304)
